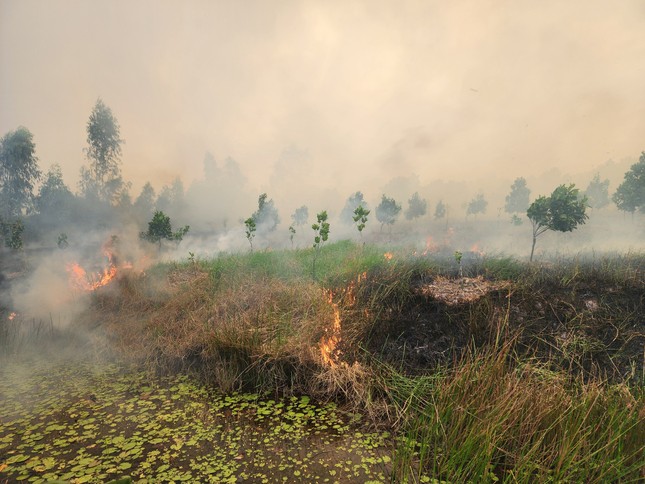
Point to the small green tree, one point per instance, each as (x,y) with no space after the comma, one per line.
(597,192)
(360,218)
(300,216)
(292,233)
(249,223)
(354,201)
(518,199)
(160,229)
(62,242)
(387,211)
(563,211)
(417,207)
(266,217)
(477,205)
(321,231)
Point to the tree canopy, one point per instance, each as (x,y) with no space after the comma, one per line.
(387,211)
(417,207)
(597,192)
(355,200)
(102,178)
(477,205)
(518,199)
(630,194)
(19,172)
(266,216)
(563,211)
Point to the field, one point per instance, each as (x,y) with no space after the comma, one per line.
(409,366)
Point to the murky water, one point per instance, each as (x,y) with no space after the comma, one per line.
(81,422)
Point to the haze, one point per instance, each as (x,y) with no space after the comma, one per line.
(360,91)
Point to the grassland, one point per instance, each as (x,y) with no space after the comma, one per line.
(497,370)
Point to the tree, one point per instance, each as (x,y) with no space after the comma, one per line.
(144,205)
(321,234)
(300,216)
(18,172)
(171,198)
(54,197)
(477,205)
(249,223)
(360,218)
(160,228)
(597,192)
(354,201)
(417,207)
(387,211)
(563,211)
(630,194)
(440,210)
(266,217)
(102,178)
(12,233)
(518,199)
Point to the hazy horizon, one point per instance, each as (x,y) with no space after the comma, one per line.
(361,92)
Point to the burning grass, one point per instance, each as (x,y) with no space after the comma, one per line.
(516,372)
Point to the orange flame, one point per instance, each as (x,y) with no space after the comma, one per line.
(388,255)
(12,315)
(80,279)
(328,345)
(475,248)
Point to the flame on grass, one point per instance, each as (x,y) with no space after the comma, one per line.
(80,279)
(329,350)
(12,316)
(388,255)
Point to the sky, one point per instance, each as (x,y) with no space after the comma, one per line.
(339,92)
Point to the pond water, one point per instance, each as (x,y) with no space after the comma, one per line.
(82,422)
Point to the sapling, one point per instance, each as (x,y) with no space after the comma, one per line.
(292,232)
(321,231)
(458,256)
(360,218)
(250,230)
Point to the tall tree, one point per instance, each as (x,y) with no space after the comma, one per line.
(144,205)
(630,194)
(518,199)
(563,211)
(102,178)
(18,172)
(54,200)
(417,207)
(597,192)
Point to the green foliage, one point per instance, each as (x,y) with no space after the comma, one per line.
(518,199)
(440,210)
(292,233)
(597,192)
(12,233)
(160,228)
(630,194)
(417,207)
(349,210)
(387,211)
(563,211)
(360,218)
(266,216)
(321,234)
(249,223)
(62,241)
(300,216)
(477,205)
(54,197)
(101,179)
(18,172)
(517,221)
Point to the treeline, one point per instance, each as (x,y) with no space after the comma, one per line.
(39,206)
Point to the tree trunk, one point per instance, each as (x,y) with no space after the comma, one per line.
(532,248)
